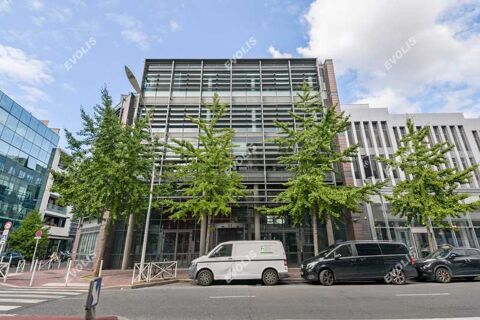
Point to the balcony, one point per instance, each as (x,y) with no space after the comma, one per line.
(57,209)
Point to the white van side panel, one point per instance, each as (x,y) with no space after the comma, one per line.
(250,259)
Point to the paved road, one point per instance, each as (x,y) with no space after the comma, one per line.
(293,301)
(13,300)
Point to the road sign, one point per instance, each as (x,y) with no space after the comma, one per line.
(93,293)
(38,234)
(7,225)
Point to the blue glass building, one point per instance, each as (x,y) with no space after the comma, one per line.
(26,149)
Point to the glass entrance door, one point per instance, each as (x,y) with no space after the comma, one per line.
(290,240)
(177,246)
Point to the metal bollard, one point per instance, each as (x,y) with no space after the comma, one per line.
(69,265)
(8,269)
(100,269)
(33,273)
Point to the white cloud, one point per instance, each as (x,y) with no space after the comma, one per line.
(5,5)
(174,26)
(39,21)
(277,54)
(36,4)
(361,36)
(68,87)
(33,95)
(132,30)
(17,65)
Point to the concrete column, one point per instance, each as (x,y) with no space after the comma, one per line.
(257,215)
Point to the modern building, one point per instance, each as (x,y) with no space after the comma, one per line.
(258,92)
(27,148)
(378,134)
(56,217)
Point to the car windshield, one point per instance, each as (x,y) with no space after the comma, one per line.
(439,254)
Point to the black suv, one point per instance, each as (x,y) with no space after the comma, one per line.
(16,257)
(448,262)
(388,262)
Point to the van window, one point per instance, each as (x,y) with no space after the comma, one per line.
(393,248)
(368,249)
(345,250)
(473,252)
(222,251)
(459,252)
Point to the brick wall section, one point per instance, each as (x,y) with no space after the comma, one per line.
(355,230)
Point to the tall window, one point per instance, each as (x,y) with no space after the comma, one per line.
(376,133)
(477,139)
(358,131)
(368,136)
(455,138)
(464,138)
(385,134)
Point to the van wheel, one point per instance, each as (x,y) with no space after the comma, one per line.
(270,277)
(326,277)
(398,277)
(205,278)
(443,275)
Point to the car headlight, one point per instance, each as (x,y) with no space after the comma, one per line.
(311,265)
(426,266)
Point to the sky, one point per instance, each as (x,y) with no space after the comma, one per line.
(405,55)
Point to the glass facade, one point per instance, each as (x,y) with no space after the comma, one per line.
(257,93)
(26,148)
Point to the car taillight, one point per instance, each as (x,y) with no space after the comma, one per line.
(412,260)
(285,262)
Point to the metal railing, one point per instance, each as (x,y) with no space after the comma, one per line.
(20,266)
(152,271)
(56,208)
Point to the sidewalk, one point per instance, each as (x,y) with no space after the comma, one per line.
(110,278)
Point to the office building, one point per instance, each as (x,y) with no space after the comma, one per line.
(378,134)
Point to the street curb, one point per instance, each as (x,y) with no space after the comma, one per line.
(153,284)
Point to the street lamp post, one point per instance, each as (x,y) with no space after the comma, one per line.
(133,81)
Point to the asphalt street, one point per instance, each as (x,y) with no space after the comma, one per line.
(292,301)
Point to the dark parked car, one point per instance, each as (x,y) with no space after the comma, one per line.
(449,262)
(16,257)
(388,262)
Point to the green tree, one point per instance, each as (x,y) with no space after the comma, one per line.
(22,238)
(311,154)
(107,173)
(205,177)
(429,194)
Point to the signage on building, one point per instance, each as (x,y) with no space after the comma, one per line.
(7,225)
(367,166)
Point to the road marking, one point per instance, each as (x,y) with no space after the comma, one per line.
(8,308)
(21,295)
(230,297)
(8,300)
(422,294)
(44,291)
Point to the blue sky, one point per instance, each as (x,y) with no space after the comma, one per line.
(56,55)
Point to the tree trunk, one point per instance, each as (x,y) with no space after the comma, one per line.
(329,227)
(128,242)
(203,233)
(207,238)
(100,252)
(314,230)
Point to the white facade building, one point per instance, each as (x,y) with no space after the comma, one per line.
(57,218)
(378,133)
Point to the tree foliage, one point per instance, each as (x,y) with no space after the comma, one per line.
(311,154)
(430,191)
(108,167)
(22,239)
(205,177)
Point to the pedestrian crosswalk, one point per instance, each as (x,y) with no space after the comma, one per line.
(12,299)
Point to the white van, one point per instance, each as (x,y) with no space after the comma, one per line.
(241,260)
